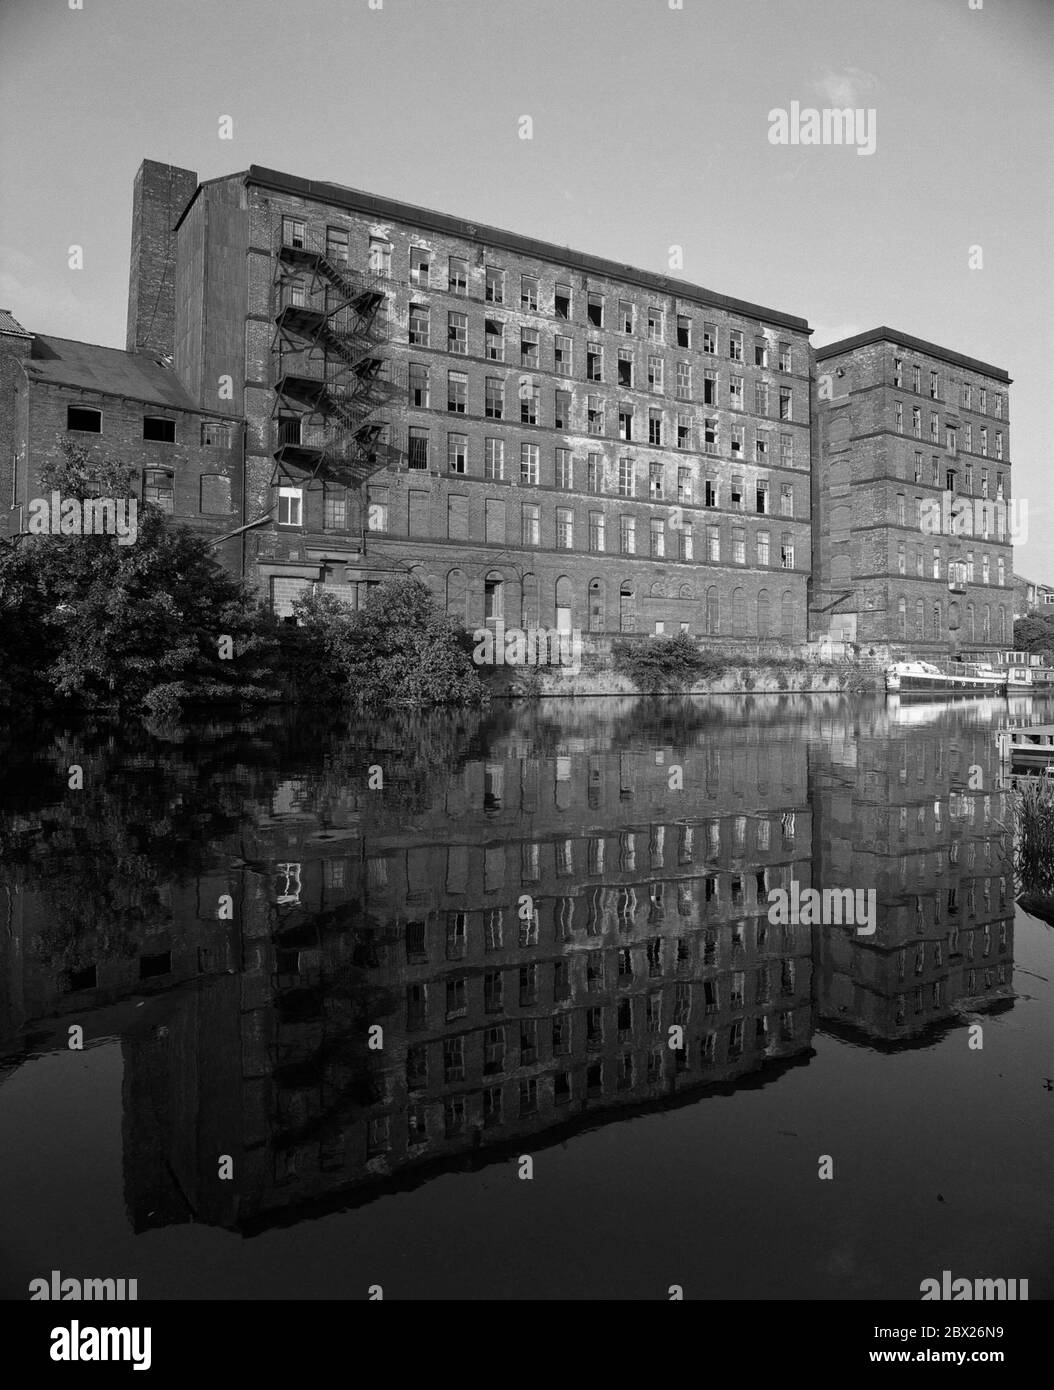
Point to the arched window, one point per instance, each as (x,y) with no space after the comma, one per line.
(938,622)
(627,616)
(596,605)
(920,618)
(713,611)
(764,613)
(685,591)
(739,613)
(457,596)
(969,622)
(986,623)
(953,616)
(902,618)
(563,604)
(787,614)
(1001,627)
(530,601)
(493,598)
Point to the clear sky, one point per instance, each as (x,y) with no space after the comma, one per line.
(650,129)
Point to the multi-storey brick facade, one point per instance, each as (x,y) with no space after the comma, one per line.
(911,496)
(543,436)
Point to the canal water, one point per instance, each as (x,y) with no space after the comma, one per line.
(491,1005)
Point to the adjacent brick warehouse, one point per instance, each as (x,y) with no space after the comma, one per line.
(901,426)
(548,437)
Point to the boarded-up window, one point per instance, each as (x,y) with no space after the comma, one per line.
(457,518)
(418,513)
(215,494)
(495,520)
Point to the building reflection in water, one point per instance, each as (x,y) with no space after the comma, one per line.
(532,908)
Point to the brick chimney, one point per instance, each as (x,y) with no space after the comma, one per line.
(160,194)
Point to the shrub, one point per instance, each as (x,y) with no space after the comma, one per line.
(656,664)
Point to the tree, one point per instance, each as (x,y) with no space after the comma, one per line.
(400,649)
(99,624)
(1034,634)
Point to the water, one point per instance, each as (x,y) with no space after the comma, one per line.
(529,904)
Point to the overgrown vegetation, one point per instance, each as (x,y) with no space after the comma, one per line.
(1033,813)
(400,649)
(1035,634)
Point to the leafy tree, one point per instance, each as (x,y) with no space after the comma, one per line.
(96,624)
(400,649)
(657,664)
(1035,634)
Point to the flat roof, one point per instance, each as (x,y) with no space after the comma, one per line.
(894,336)
(337,195)
(108,371)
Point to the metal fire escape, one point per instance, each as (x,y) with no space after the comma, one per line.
(331,331)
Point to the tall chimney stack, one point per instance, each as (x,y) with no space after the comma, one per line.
(161,193)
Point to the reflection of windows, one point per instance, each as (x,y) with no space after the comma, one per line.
(287,883)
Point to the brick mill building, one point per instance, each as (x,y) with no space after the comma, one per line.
(903,431)
(337,387)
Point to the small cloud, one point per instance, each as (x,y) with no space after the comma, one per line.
(845,88)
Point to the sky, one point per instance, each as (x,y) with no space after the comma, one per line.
(649,128)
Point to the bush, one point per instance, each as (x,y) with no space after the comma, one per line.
(400,649)
(656,664)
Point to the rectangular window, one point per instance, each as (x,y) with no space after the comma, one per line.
(594,415)
(418,512)
(684,432)
(684,381)
(656,325)
(84,420)
(457,275)
(657,529)
(785,357)
(739,546)
(159,430)
(457,452)
(761,352)
(380,261)
(564,469)
(419,325)
(495,340)
(293,233)
(655,472)
(786,499)
(709,436)
(494,460)
(594,474)
(786,551)
(625,316)
(713,537)
(529,396)
(217,432)
(564,528)
(562,301)
(786,403)
(898,417)
(594,362)
(494,521)
(420,266)
(418,382)
(984,441)
(529,293)
(596,531)
(684,485)
(529,349)
(686,553)
(376,509)
(655,374)
(562,355)
(562,410)
(763,547)
(457,518)
(735,392)
(935,427)
(418,441)
(709,388)
(625,367)
(215,494)
(157,488)
(335,508)
(529,465)
(761,398)
(290,506)
(627,484)
(655,428)
(595,310)
(934,385)
(625,420)
(735,345)
(761,447)
(787,450)
(530,524)
(916,378)
(494,291)
(999,444)
(628,535)
(457,392)
(494,398)
(761,501)
(983,393)
(916,422)
(457,333)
